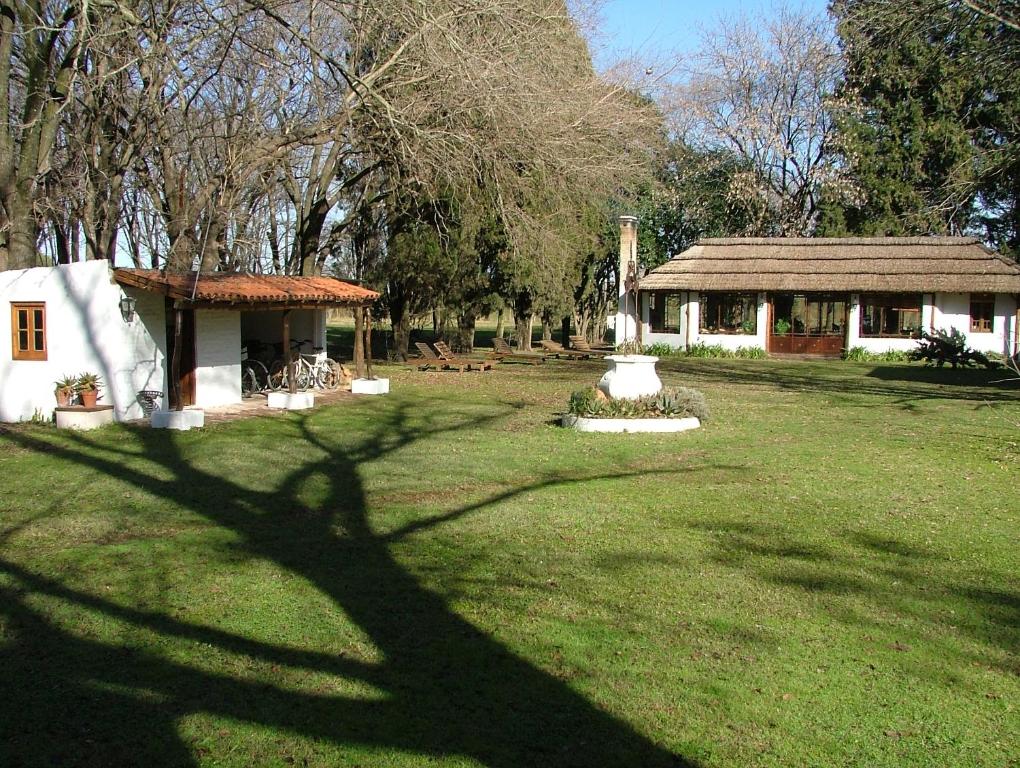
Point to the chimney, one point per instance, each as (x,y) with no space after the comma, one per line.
(627,312)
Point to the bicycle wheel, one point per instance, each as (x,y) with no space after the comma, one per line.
(303,376)
(277,376)
(249,382)
(261,376)
(328,375)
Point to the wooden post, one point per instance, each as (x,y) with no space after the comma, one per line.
(368,342)
(291,378)
(359,342)
(175,363)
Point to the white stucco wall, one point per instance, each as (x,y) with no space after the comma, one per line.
(880,343)
(217,358)
(690,312)
(84,332)
(940,311)
(952,310)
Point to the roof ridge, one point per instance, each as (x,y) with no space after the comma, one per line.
(816,241)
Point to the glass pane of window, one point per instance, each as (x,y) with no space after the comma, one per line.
(798,314)
(23,341)
(40,341)
(673,312)
(982,310)
(656,316)
(38,319)
(890,314)
(728,313)
(23,319)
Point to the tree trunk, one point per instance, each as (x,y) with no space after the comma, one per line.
(564,330)
(500,322)
(21,251)
(466,331)
(401,337)
(524,325)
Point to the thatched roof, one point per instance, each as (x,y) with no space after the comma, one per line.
(894,264)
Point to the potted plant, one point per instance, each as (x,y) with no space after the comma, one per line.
(88,386)
(781,327)
(65,389)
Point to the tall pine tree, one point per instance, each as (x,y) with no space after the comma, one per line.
(927,117)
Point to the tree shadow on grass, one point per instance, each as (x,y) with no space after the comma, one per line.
(888,574)
(904,385)
(446,688)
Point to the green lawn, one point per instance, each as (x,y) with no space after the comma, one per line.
(826,574)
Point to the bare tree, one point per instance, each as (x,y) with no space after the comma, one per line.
(758,88)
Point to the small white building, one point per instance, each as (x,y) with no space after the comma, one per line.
(120,324)
(824,295)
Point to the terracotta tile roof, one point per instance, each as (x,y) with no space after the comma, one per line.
(236,288)
(895,264)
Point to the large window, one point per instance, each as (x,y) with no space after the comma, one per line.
(729,313)
(890,314)
(982,312)
(28,331)
(664,312)
(808,314)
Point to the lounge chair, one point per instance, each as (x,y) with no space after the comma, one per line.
(502,351)
(429,358)
(557,350)
(581,345)
(450,360)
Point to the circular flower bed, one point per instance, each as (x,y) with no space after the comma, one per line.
(672,409)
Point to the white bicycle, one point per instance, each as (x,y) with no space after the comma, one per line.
(311,369)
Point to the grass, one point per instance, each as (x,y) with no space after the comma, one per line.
(825,574)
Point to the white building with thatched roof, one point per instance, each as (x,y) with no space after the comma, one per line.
(823,295)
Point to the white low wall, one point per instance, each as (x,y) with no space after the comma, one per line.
(84,332)
(217,358)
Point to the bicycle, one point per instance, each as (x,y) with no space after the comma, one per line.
(311,369)
(254,374)
(254,378)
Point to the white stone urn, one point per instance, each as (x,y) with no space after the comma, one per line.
(630,377)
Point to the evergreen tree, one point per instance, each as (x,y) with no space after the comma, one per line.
(927,116)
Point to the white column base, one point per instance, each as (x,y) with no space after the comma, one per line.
(299,401)
(370,386)
(189,418)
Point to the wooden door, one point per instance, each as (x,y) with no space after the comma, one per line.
(182,377)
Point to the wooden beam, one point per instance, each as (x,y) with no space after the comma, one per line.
(291,378)
(359,342)
(368,342)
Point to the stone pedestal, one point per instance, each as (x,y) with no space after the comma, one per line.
(80,417)
(299,401)
(370,386)
(630,377)
(189,418)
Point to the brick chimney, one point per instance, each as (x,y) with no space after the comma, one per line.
(627,312)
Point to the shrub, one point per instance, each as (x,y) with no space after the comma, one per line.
(667,403)
(939,347)
(662,349)
(863,355)
(750,353)
(708,350)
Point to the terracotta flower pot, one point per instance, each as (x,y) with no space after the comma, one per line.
(63,395)
(88,397)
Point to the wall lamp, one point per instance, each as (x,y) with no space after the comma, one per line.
(127,308)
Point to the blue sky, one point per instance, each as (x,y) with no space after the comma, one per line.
(636,27)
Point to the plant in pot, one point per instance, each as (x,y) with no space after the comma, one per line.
(88,386)
(66,386)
